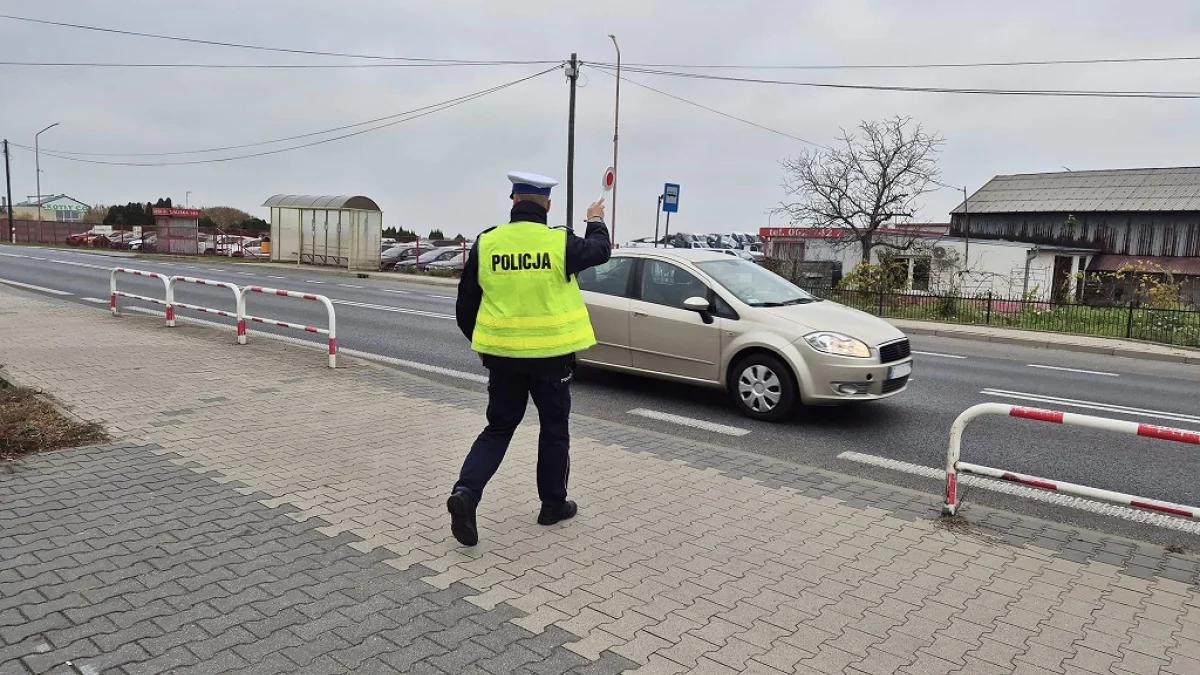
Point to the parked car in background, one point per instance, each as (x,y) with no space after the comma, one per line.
(737,253)
(251,248)
(397,254)
(453,263)
(707,318)
(436,255)
(89,238)
(122,240)
(146,242)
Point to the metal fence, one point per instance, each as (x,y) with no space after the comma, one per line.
(149,239)
(1168,326)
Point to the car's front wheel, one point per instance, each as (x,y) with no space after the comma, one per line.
(763,387)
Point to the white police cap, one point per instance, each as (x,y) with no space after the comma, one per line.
(531,183)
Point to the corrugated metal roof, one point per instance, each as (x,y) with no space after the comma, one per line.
(329,202)
(1175,265)
(1175,189)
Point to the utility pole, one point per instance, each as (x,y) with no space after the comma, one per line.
(616,134)
(657,215)
(12,230)
(37,167)
(966,229)
(573,77)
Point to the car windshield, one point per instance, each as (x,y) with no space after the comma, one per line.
(754,285)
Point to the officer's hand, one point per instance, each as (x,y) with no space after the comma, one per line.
(596,210)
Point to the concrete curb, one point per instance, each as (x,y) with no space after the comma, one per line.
(1051,341)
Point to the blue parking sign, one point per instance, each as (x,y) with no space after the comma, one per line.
(670,198)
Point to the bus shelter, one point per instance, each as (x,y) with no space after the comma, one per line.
(332,230)
(177,230)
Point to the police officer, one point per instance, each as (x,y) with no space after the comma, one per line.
(519,305)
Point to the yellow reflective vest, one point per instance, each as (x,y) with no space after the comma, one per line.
(530,308)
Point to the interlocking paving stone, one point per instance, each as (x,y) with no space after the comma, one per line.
(107,631)
(279,548)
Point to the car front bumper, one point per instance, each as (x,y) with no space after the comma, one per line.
(835,380)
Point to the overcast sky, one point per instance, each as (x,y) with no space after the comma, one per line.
(448,169)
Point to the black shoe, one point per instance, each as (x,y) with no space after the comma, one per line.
(554,514)
(462,518)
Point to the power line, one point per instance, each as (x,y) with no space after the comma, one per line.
(1073,93)
(406,117)
(718,112)
(251,66)
(236,45)
(916,66)
(285,138)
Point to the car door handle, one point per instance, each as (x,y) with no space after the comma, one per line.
(637,313)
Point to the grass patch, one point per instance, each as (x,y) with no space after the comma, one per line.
(31,423)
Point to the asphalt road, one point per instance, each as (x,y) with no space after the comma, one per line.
(412,326)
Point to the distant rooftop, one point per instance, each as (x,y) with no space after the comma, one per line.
(1170,189)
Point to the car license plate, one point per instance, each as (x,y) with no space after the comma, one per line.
(902,370)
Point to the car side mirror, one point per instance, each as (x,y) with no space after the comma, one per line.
(699,305)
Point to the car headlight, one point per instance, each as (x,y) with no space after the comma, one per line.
(838,345)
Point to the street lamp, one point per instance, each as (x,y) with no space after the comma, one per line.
(187,198)
(616,129)
(37,166)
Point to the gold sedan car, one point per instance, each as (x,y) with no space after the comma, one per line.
(702,317)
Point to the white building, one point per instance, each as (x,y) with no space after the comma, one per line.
(937,263)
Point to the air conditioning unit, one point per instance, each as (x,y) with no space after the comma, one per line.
(939,252)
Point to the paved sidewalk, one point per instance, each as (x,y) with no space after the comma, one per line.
(261,513)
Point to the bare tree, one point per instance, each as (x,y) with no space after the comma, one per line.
(226,217)
(868,181)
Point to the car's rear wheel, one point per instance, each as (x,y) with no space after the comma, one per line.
(763,387)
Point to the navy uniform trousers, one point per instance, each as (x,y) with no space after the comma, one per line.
(509,391)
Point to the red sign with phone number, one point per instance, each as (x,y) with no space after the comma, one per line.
(178,213)
(801,232)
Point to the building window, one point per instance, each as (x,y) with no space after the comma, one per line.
(920,274)
(68,216)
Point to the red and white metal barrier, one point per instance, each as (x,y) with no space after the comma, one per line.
(331,331)
(238,300)
(113,293)
(954,466)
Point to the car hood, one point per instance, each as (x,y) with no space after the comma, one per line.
(837,318)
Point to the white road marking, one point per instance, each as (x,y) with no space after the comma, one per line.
(310,281)
(31,287)
(939,355)
(1033,494)
(1073,370)
(1090,405)
(444,297)
(386,308)
(390,290)
(246,274)
(98,301)
(271,277)
(213,269)
(322,346)
(79,264)
(349,286)
(690,422)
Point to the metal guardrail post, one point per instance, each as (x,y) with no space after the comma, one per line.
(331,332)
(237,295)
(954,465)
(168,296)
